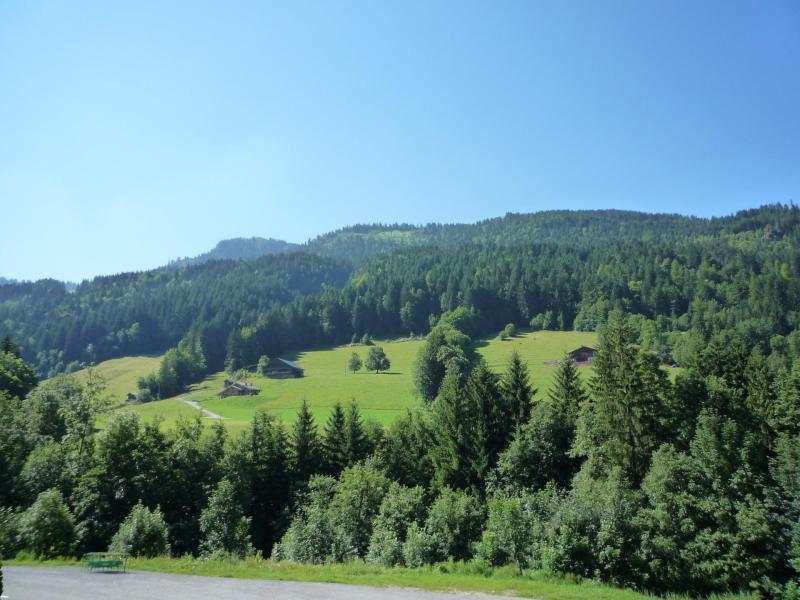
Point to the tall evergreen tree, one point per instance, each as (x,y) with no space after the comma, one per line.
(621,424)
(356,443)
(306,453)
(334,441)
(458,451)
(517,391)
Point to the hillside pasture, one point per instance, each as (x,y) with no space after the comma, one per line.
(382,397)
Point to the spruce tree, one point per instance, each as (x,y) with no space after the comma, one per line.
(494,410)
(334,441)
(458,452)
(356,444)
(622,422)
(305,446)
(517,391)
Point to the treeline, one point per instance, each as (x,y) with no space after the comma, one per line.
(558,270)
(623,476)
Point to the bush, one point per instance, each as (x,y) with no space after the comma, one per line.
(47,528)
(310,536)
(420,547)
(510,330)
(143,533)
(223,524)
(453,526)
(401,507)
(508,533)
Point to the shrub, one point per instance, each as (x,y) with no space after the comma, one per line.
(143,533)
(510,330)
(401,507)
(420,547)
(47,528)
(223,524)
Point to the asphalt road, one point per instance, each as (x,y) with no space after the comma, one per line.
(72,583)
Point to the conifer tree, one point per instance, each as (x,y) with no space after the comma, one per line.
(621,423)
(306,453)
(458,452)
(356,444)
(494,410)
(334,441)
(516,388)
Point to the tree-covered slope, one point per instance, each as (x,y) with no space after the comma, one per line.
(556,270)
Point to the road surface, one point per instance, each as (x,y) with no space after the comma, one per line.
(73,583)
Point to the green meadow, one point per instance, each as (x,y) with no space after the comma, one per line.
(381,397)
(122,374)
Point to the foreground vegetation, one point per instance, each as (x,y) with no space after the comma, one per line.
(445,577)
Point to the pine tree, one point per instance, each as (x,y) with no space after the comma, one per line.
(305,446)
(621,424)
(458,452)
(334,441)
(517,391)
(566,394)
(494,410)
(356,445)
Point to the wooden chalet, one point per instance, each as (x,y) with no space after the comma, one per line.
(237,388)
(584,354)
(280,368)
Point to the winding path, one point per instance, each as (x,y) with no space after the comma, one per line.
(206,413)
(72,583)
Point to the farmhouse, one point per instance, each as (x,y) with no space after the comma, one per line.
(583,354)
(237,388)
(279,368)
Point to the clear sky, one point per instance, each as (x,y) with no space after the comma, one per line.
(134,133)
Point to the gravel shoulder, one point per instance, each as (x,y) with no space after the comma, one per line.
(73,583)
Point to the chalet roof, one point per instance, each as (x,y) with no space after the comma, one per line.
(277,363)
(245,387)
(583,349)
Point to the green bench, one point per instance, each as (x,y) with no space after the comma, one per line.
(106,561)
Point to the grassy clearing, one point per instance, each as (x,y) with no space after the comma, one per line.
(447,577)
(382,397)
(122,374)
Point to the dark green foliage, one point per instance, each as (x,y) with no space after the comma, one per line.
(540,450)
(405,451)
(445,347)
(17,377)
(622,422)
(334,441)
(356,441)
(517,391)
(457,452)
(305,449)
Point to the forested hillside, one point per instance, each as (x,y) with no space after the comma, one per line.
(556,270)
(685,483)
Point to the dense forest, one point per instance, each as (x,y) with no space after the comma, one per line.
(687,279)
(619,473)
(622,476)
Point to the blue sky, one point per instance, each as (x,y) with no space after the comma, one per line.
(134,133)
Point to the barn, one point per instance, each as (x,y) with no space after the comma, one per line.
(280,368)
(237,388)
(584,354)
